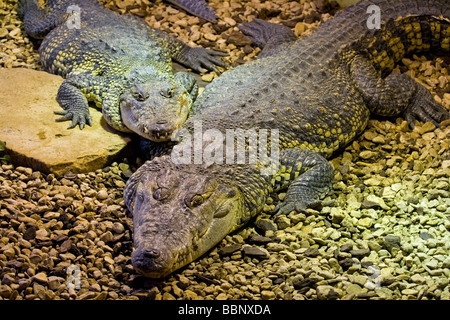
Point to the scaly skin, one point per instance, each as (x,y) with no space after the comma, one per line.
(317,92)
(198,8)
(117,61)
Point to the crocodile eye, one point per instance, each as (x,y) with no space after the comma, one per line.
(195,201)
(167,92)
(138,94)
(160,194)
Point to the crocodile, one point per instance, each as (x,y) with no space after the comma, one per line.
(117,61)
(303,100)
(198,8)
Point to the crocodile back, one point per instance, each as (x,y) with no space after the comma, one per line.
(306,91)
(103,42)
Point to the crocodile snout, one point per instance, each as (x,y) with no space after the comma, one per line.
(147,260)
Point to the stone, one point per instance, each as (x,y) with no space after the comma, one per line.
(265,225)
(300,27)
(228,250)
(259,240)
(237,38)
(33,137)
(391,241)
(432,264)
(102,194)
(367,154)
(5,291)
(255,252)
(425,235)
(41,277)
(311,252)
(267,295)
(326,292)
(360,253)
(426,127)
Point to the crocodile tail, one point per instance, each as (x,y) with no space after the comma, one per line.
(198,8)
(397,39)
(412,26)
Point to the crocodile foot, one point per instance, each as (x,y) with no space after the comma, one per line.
(78,118)
(299,206)
(425,108)
(197,57)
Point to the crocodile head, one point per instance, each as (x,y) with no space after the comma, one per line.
(178,215)
(155,108)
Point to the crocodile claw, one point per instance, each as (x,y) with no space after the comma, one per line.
(298,206)
(425,108)
(77,119)
(197,57)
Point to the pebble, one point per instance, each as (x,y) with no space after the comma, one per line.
(102,194)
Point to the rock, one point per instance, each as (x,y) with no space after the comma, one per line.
(304,283)
(221,296)
(259,240)
(432,264)
(39,290)
(300,27)
(327,292)
(265,225)
(425,235)
(417,278)
(237,38)
(267,295)
(255,252)
(391,241)
(426,127)
(228,250)
(360,253)
(365,222)
(311,252)
(282,222)
(367,154)
(41,277)
(102,194)
(33,137)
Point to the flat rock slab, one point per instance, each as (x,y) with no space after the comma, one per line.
(33,137)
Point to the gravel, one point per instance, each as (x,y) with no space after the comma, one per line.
(383,232)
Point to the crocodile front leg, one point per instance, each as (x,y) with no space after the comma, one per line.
(308,175)
(189,82)
(198,57)
(396,94)
(73,95)
(38,22)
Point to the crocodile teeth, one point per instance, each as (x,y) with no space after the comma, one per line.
(146,130)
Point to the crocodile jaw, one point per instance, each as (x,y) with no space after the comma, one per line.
(170,230)
(171,254)
(153,116)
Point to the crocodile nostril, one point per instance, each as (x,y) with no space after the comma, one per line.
(151,254)
(162,121)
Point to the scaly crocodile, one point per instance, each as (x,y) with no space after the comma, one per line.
(305,99)
(117,61)
(198,8)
